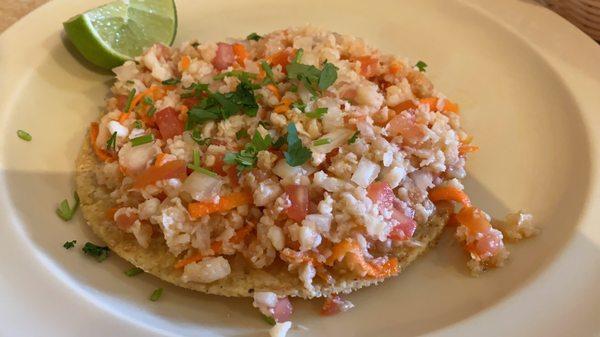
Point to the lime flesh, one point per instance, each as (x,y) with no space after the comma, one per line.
(111,34)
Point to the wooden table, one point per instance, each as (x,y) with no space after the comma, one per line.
(13,10)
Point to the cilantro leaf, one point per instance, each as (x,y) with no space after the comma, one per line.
(197,137)
(129,100)
(246,158)
(69,244)
(156,294)
(24,135)
(100,253)
(422,66)
(111,143)
(317,113)
(171,81)
(328,76)
(296,153)
(133,271)
(242,75)
(64,211)
(253,36)
(354,137)
(241,134)
(268,71)
(270,320)
(299,105)
(260,143)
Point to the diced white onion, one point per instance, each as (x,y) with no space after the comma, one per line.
(337,138)
(283,170)
(366,172)
(202,187)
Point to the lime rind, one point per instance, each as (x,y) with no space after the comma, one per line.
(109,35)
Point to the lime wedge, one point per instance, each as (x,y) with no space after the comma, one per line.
(111,34)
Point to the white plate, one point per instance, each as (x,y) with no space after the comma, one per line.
(529,87)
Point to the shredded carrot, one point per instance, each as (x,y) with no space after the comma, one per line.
(100,153)
(261,74)
(231,201)
(338,251)
(474,219)
(171,169)
(184,262)
(283,107)
(449,193)
(124,116)
(241,234)
(449,106)
(406,105)
(160,159)
(272,88)
(466,148)
(395,68)
(185,62)
(241,54)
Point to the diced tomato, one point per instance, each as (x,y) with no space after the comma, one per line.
(298,195)
(124,220)
(334,305)
(169,123)
(382,194)
(171,169)
(405,227)
(121,101)
(405,126)
(474,219)
(283,310)
(369,66)
(486,246)
(224,57)
(189,101)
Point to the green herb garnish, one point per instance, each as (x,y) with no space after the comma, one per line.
(100,253)
(242,75)
(299,105)
(141,140)
(265,124)
(422,66)
(318,113)
(241,134)
(253,36)
(268,72)
(66,212)
(129,100)
(171,81)
(247,157)
(111,143)
(133,271)
(151,111)
(354,137)
(328,76)
(148,100)
(322,141)
(296,153)
(138,124)
(69,244)
(195,90)
(156,294)
(197,137)
(24,135)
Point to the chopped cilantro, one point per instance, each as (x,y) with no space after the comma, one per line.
(197,137)
(151,111)
(270,320)
(148,100)
(111,143)
(156,294)
(354,137)
(422,66)
(241,134)
(268,71)
(253,36)
(100,253)
(24,135)
(247,157)
(195,161)
(328,76)
(242,75)
(69,244)
(322,141)
(141,140)
(296,153)
(265,124)
(133,271)
(138,124)
(279,143)
(195,90)
(129,100)
(299,105)
(317,113)
(171,81)
(310,76)
(64,211)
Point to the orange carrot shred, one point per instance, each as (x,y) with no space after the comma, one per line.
(100,153)
(185,62)
(466,148)
(241,54)
(184,262)
(272,88)
(449,193)
(227,202)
